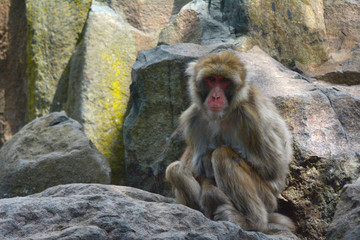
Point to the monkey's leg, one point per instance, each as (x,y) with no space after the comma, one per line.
(187,189)
(216,205)
(237,183)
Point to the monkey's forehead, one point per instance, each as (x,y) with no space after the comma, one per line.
(225,64)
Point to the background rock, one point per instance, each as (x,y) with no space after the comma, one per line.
(49,151)
(148,17)
(345,224)
(94,88)
(290,31)
(54,28)
(326,146)
(12,66)
(92,211)
(342,21)
(2,118)
(185,28)
(99,78)
(208,22)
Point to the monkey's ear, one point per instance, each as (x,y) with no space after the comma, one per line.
(190,71)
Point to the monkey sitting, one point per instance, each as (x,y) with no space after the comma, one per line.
(238,147)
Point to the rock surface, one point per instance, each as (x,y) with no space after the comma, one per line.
(94,89)
(184,28)
(290,30)
(342,21)
(346,221)
(94,211)
(98,83)
(49,151)
(12,66)
(2,118)
(54,28)
(208,22)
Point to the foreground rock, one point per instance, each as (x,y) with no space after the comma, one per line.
(49,151)
(346,222)
(93,211)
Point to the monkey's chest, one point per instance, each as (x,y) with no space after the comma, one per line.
(227,138)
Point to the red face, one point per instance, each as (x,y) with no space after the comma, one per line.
(216,100)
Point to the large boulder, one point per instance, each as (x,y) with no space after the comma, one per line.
(321,116)
(322,119)
(290,30)
(184,28)
(12,67)
(342,22)
(94,211)
(49,151)
(346,221)
(97,88)
(54,27)
(208,22)
(94,88)
(148,17)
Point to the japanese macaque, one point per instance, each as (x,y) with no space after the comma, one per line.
(238,147)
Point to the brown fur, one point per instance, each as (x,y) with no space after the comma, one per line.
(236,162)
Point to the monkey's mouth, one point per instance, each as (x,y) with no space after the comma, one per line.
(216,109)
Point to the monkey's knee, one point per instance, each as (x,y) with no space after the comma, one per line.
(187,189)
(172,172)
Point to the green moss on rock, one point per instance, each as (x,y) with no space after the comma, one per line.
(53,31)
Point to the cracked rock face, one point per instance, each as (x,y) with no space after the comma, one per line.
(49,151)
(95,211)
(345,224)
(322,117)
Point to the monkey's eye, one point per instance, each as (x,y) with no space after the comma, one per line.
(211,79)
(225,80)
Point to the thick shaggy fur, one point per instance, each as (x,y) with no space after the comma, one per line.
(236,161)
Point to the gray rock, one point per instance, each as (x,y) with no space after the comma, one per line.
(99,79)
(94,211)
(323,121)
(220,21)
(49,151)
(346,221)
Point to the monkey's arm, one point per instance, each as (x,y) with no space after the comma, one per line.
(265,137)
